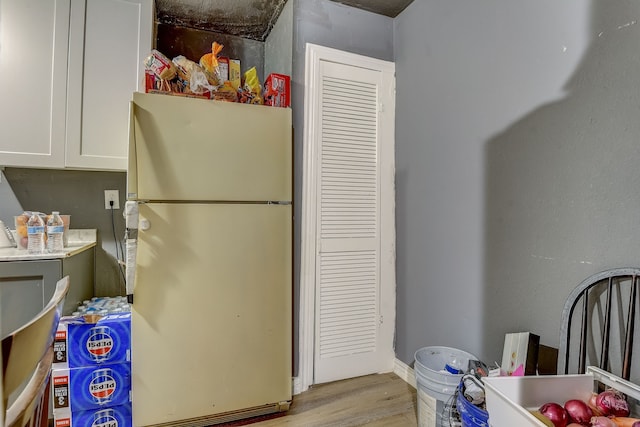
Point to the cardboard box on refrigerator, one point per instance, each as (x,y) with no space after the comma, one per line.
(234,73)
(277,89)
(116,416)
(223,68)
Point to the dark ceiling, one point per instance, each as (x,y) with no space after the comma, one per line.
(251,19)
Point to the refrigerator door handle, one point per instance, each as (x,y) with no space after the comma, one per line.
(132,249)
(144,224)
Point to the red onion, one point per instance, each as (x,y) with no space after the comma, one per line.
(611,402)
(556,414)
(592,404)
(636,424)
(578,411)
(602,422)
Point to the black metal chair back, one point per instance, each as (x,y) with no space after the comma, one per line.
(602,312)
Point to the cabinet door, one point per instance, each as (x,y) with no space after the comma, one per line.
(25,288)
(33,71)
(109,40)
(81,271)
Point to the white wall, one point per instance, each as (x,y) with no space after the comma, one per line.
(517,130)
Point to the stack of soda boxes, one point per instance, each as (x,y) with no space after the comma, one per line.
(91,374)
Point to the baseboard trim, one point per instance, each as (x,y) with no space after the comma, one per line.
(297,386)
(405,372)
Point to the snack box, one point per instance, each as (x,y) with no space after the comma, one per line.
(115,416)
(509,400)
(223,68)
(277,89)
(234,73)
(91,387)
(87,341)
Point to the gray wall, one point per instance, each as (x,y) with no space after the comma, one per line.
(9,203)
(278,47)
(330,24)
(79,194)
(516,135)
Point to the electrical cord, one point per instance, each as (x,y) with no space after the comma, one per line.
(449,410)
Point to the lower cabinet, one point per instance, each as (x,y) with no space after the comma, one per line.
(27,286)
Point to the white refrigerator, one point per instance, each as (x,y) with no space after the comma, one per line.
(209,260)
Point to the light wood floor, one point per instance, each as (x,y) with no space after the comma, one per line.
(373,400)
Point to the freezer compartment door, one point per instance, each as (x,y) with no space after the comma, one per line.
(212,309)
(197,149)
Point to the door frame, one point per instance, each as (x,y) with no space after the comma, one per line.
(306,332)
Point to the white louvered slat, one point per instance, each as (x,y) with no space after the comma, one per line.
(348,210)
(348,303)
(349,184)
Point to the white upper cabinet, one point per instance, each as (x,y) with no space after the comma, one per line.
(70,96)
(109,40)
(34,35)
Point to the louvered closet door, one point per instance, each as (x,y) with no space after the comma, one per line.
(348,259)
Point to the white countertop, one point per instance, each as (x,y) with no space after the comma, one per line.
(78,241)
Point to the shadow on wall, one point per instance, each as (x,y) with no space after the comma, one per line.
(562,187)
(81,195)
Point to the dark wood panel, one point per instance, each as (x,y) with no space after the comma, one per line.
(191,43)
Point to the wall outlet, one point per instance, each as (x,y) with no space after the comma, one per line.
(111,196)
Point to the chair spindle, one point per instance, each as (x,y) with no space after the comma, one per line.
(582,361)
(604,351)
(628,340)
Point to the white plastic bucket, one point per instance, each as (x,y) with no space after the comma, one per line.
(437,386)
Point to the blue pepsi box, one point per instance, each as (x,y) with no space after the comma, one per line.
(91,387)
(115,416)
(92,340)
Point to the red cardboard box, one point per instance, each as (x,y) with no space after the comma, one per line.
(277,90)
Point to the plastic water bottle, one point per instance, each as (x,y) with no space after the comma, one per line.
(35,234)
(55,230)
(454,366)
